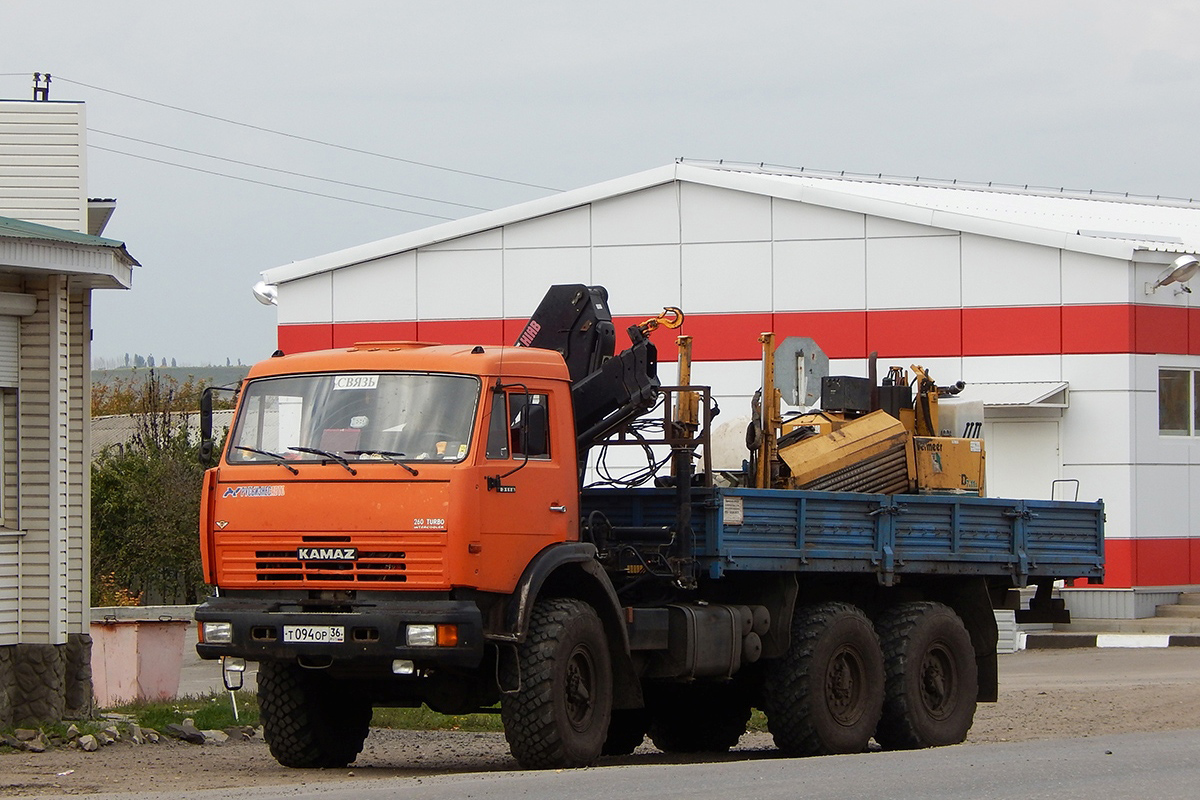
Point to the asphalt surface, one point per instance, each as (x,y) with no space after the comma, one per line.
(1158,765)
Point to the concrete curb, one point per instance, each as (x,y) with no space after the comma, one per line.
(1047,641)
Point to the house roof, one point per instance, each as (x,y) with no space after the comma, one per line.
(30,246)
(1105,224)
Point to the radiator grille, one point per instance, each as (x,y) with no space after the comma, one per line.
(282,565)
(384,559)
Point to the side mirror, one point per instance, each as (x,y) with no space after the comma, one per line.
(536,430)
(206,425)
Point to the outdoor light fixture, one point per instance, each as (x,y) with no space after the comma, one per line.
(1181,271)
(266,293)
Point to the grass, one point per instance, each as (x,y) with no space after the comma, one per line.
(210,711)
(216,711)
(423,719)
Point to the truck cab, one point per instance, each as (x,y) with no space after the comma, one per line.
(353,479)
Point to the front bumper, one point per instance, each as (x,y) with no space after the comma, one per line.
(374,632)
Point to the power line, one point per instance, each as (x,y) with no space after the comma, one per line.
(285,171)
(308,139)
(265,183)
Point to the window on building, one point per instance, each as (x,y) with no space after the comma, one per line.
(1179,402)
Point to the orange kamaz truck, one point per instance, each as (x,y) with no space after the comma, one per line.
(405,523)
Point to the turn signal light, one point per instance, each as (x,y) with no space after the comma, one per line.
(447,635)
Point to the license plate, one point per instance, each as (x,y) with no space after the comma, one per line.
(335,634)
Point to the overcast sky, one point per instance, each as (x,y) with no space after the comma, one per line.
(1094,94)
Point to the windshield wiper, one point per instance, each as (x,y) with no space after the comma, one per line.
(280,460)
(391,456)
(331,456)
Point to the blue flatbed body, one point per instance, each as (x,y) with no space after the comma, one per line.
(772,530)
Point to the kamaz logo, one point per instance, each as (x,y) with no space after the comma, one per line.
(327,553)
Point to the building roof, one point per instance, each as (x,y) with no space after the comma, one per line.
(1105,224)
(30,246)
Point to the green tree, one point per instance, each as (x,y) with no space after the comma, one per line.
(146,505)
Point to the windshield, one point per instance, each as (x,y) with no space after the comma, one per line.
(357,416)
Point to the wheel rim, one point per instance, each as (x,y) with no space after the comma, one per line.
(844,691)
(580,688)
(938,682)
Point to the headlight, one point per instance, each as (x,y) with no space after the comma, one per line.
(421,635)
(217,632)
(445,635)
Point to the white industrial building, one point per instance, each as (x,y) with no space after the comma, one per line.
(1043,301)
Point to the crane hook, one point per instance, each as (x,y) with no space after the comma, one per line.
(671,318)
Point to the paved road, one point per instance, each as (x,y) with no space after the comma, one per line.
(1158,765)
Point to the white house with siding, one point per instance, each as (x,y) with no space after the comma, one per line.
(51,259)
(1042,300)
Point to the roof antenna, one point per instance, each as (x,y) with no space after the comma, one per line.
(41,93)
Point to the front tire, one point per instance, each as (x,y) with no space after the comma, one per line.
(559,717)
(931,677)
(307,721)
(824,696)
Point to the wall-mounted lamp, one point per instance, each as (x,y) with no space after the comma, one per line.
(1181,271)
(268,294)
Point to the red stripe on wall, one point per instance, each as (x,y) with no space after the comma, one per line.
(1119,563)
(302,338)
(1151,562)
(1159,329)
(1097,329)
(916,333)
(1194,331)
(1163,562)
(931,333)
(841,334)
(1011,331)
(723,337)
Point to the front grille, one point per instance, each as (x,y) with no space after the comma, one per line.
(375,566)
(385,560)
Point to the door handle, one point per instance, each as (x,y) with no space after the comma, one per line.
(559,509)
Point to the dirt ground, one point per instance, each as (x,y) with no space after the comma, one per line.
(1045,694)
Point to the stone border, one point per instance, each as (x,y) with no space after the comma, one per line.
(1047,641)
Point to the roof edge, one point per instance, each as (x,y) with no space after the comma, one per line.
(904,212)
(476,223)
(759,183)
(18,229)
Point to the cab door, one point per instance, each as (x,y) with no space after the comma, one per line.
(529,495)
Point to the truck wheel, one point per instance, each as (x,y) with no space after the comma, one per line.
(931,677)
(825,694)
(559,716)
(626,730)
(699,718)
(306,720)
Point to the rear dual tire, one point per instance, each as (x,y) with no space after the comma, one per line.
(931,680)
(825,695)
